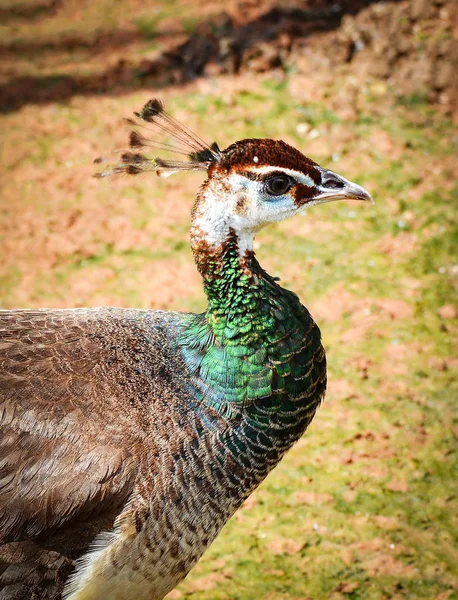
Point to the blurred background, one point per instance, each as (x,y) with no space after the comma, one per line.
(365,506)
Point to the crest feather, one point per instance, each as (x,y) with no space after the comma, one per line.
(173,137)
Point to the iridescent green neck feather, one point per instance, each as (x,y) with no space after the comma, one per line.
(256,348)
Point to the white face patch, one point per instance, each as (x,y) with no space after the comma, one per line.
(243,205)
(216,214)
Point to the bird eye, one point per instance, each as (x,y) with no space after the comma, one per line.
(278,185)
(334,184)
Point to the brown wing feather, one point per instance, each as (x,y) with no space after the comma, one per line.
(58,457)
(70,436)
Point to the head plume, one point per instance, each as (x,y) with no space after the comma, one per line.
(153,128)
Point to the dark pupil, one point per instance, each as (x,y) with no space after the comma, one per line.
(278,185)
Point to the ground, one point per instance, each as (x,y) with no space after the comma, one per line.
(365,505)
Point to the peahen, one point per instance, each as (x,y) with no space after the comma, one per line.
(129,437)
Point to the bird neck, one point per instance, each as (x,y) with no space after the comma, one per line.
(255,349)
(223,252)
(232,280)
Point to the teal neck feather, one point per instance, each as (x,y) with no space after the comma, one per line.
(256,347)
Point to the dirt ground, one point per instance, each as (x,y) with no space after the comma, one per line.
(409,43)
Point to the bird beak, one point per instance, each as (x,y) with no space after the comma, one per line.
(347,190)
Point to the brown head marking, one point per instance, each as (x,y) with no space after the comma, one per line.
(266,152)
(302,193)
(241,205)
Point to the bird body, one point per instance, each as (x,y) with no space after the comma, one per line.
(130,437)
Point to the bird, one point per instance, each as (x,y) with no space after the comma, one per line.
(129,436)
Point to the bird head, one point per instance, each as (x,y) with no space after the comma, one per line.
(255,182)
(250,184)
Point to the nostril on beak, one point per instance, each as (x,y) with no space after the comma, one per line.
(332,183)
(335,187)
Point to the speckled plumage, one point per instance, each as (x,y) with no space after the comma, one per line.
(150,428)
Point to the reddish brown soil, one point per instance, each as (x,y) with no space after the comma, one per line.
(411,44)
